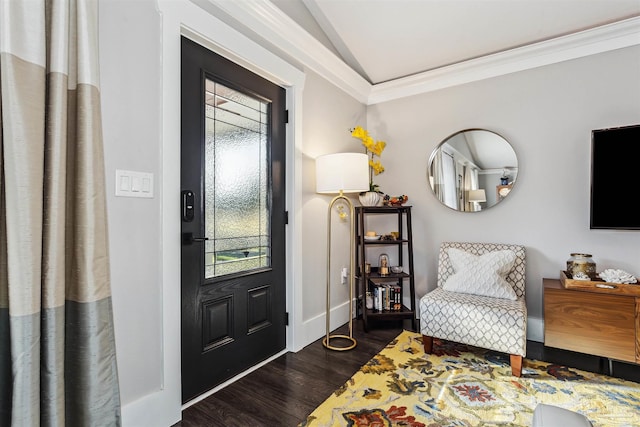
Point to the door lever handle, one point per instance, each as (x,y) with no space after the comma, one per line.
(187,238)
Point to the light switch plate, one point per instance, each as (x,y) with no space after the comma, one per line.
(134,184)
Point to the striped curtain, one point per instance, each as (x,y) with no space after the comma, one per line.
(57,350)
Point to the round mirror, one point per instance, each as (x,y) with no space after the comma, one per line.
(472,170)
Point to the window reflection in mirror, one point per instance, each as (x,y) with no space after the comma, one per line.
(472,170)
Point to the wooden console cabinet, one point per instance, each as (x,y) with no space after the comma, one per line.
(592,322)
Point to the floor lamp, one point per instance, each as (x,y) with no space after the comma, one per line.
(477,196)
(341,173)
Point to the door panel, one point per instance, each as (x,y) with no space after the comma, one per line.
(233,264)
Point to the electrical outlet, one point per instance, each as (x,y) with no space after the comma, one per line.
(343,275)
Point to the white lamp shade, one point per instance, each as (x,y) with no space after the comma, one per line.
(477,196)
(346,172)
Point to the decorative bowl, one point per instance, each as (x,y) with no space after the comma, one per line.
(396,269)
(395,201)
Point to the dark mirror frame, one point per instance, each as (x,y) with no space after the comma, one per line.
(472,170)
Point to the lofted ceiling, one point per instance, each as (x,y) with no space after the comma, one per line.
(383,40)
(379,50)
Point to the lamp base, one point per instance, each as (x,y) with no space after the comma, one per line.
(350,341)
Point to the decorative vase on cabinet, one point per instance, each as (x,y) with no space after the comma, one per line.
(370,198)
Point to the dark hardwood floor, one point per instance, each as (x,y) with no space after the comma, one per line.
(285,391)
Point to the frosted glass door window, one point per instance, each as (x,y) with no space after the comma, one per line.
(237,211)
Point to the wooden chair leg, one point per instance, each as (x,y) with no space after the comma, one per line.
(516,365)
(428,343)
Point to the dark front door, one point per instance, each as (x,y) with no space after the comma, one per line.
(233,219)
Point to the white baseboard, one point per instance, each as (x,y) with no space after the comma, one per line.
(535,329)
(315,327)
(160,408)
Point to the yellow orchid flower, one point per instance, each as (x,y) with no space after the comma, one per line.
(358,132)
(374,148)
(376,166)
(368,143)
(377,148)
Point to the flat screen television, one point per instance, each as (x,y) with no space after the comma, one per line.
(615,178)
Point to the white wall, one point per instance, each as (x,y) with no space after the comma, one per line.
(329,114)
(131,116)
(547,114)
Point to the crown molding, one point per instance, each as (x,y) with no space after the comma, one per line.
(273,26)
(589,42)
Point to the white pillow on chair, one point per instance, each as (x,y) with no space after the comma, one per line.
(481,275)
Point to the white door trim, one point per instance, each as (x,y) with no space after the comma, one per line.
(182,17)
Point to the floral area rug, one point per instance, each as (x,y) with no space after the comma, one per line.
(459,385)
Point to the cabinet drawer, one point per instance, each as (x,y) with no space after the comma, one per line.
(604,325)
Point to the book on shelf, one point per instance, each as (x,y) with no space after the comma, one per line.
(387,297)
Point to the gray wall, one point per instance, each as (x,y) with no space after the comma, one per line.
(329,114)
(130,67)
(547,114)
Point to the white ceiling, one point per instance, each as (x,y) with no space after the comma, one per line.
(380,50)
(384,40)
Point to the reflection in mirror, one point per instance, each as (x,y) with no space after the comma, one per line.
(472,170)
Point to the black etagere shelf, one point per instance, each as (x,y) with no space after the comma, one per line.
(367,281)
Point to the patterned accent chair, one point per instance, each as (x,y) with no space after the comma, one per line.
(482,321)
